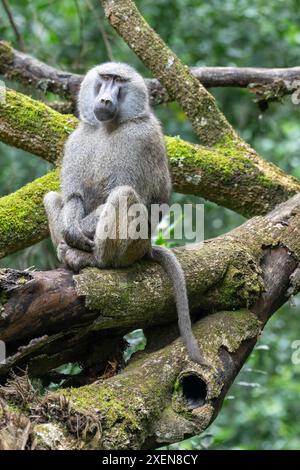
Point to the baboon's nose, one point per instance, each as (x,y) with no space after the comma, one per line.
(105,101)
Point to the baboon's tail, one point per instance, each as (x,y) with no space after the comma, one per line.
(171,265)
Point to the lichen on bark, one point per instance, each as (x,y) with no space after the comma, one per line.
(125,411)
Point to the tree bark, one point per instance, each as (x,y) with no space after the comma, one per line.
(200,106)
(40,311)
(32,72)
(162,397)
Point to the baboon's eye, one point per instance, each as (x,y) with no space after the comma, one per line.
(120,79)
(105,77)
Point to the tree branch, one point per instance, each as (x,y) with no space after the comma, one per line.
(237,179)
(32,126)
(32,72)
(162,397)
(200,106)
(224,273)
(48,318)
(101,28)
(23,220)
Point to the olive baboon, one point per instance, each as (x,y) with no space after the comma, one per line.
(116,153)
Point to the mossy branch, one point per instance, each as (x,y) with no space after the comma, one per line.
(25,69)
(161,397)
(237,179)
(226,273)
(147,404)
(200,106)
(29,124)
(23,221)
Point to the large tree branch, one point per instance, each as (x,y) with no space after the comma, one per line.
(33,72)
(23,220)
(208,121)
(161,396)
(224,273)
(199,105)
(236,178)
(32,126)
(30,71)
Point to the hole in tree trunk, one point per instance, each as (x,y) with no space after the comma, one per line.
(194,391)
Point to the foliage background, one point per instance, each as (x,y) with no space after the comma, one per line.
(262,409)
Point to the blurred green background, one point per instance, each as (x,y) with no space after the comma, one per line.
(262,408)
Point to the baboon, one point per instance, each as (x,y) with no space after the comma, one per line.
(116,154)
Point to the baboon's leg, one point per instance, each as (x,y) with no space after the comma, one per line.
(53,205)
(89,223)
(78,259)
(116,245)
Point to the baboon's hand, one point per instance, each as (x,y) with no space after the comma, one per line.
(75,238)
(90,233)
(77,259)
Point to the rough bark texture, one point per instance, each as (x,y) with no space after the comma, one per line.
(162,397)
(42,311)
(29,71)
(200,106)
(236,178)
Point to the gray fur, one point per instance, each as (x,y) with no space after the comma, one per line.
(104,160)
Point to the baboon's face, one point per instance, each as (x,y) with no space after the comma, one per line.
(110,91)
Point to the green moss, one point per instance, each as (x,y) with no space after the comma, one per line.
(3,298)
(3,292)
(21,280)
(42,118)
(224,162)
(119,418)
(266,181)
(37,128)
(230,174)
(22,216)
